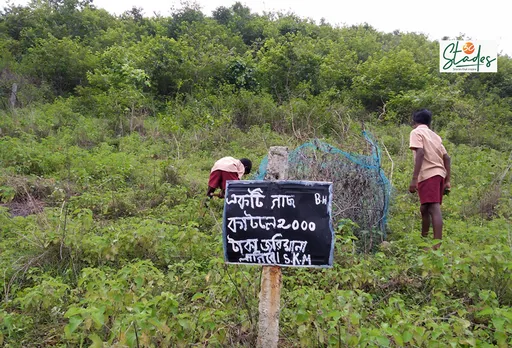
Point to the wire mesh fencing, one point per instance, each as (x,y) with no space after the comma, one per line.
(361,191)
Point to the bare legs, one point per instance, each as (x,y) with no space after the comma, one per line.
(432,212)
(425,220)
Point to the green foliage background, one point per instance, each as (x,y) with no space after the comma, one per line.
(105,155)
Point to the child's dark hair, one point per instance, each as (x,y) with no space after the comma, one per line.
(247,164)
(423,116)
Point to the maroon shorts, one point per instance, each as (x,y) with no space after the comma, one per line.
(431,190)
(218,179)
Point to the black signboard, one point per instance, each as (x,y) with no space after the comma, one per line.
(283,223)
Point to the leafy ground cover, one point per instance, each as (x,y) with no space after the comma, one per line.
(111,247)
(109,126)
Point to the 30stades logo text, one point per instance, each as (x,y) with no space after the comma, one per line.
(468,56)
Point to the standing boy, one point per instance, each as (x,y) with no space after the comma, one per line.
(227,168)
(431,176)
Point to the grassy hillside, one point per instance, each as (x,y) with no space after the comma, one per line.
(105,156)
(109,240)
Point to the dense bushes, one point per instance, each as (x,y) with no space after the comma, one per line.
(188,65)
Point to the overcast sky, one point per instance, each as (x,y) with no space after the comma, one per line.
(477,19)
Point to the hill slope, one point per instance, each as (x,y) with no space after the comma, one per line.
(105,153)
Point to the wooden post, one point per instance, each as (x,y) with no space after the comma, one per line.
(270,293)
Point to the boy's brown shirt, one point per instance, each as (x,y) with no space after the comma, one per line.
(432,145)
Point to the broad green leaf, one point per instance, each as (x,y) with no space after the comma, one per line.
(197,296)
(498,323)
(184,323)
(97,342)
(469,341)
(383,341)
(73,324)
(501,339)
(73,311)
(398,339)
(407,336)
(507,314)
(98,317)
(486,311)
